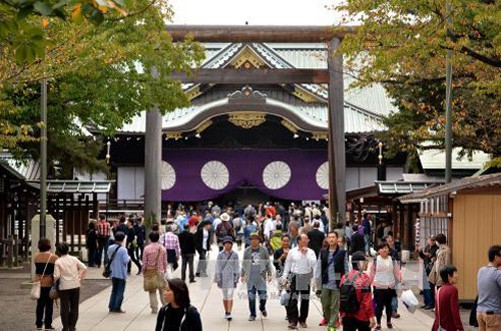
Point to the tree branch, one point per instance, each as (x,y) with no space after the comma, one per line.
(133,14)
(482,58)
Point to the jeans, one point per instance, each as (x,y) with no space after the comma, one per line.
(429,296)
(202,263)
(187,259)
(367,244)
(352,324)
(261,291)
(44,304)
(117,294)
(69,308)
(300,286)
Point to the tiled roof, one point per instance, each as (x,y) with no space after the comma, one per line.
(27,170)
(364,107)
(461,184)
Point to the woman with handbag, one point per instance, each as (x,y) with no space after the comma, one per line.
(44,270)
(154,268)
(178,314)
(69,271)
(446,302)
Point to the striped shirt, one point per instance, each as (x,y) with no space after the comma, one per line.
(170,241)
(103,228)
(153,259)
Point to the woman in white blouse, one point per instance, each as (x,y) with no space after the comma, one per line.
(385,273)
(69,272)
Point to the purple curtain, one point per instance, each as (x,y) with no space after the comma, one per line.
(243,166)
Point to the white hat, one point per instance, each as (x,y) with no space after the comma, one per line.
(225,217)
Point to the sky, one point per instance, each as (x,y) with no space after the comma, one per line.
(255,12)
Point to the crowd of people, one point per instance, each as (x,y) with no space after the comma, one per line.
(354,268)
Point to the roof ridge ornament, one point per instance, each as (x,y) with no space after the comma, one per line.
(247,95)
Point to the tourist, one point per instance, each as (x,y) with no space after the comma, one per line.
(103,238)
(357,241)
(250,227)
(256,270)
(363,319)
(44,262)
(396,257)
(443,259)
(178,313)
(428,255)
(280,255)
(316,238)
(202,245)
(91,243)
(140,231)
(131,247)
(385,273)
(299,268)
(367,231)
(293,229)
(276,238)
(447,304)
(154,260)
(170,242)
(239,225)
(69,272)
(227,274)
(329,270)
(187,245)
(119,261)
(223,230)
(489,292)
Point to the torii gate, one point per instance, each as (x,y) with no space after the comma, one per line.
(333,76)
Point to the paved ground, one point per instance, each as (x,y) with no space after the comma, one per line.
(18,310)
(208,299)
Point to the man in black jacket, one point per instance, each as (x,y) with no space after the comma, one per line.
(329,271)
(316,238)
(202,245)
(357,241)
(187,244)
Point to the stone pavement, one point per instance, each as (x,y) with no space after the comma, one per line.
(208,299)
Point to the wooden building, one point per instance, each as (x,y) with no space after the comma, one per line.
(244,143)
(468,212)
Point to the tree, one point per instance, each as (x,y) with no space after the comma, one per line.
(402,44)
(95,78)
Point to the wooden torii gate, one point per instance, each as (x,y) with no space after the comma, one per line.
(333,76)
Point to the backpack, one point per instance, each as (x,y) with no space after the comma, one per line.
(348,300)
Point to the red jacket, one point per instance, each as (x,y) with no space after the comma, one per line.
(364,296)
(447,308)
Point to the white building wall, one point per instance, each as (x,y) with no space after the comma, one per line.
(130,183)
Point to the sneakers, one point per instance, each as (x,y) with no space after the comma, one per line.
(323,322)
(389,325)
(303,325)
(395,315)
(378,327)
(228,316)
(252,318)
(264,313)
(292,326)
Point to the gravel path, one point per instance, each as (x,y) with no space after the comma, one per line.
(18,310)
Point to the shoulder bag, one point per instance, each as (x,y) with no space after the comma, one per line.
(153,279)
(107,267)
(36,286)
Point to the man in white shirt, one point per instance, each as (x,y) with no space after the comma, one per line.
(299,268)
